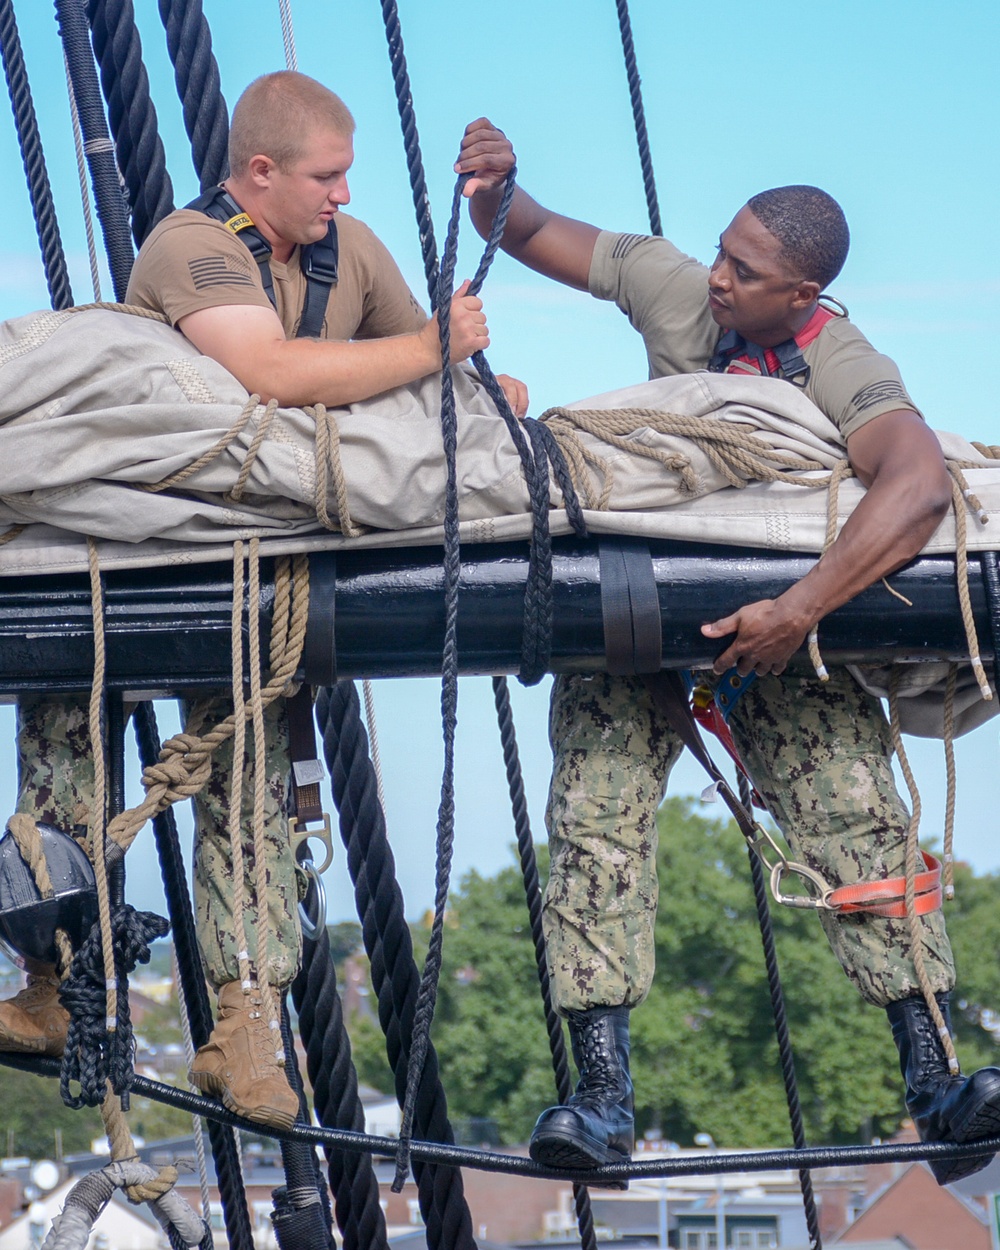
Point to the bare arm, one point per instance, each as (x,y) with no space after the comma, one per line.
(249,341)
(559,247)
(900,462)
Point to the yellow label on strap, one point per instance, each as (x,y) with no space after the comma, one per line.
(239,222)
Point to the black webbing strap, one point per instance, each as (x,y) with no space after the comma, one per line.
(307,771)
(671,701)
(990,561)
(630,606)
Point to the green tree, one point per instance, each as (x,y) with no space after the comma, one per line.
(33,1110)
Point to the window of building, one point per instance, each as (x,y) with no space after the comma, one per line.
(767,1241)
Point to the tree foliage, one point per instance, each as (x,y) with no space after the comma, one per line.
(704,1057)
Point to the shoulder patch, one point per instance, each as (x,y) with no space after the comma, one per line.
(625,243)
(207,271)
(879,393)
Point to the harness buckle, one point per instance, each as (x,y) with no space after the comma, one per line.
(299,838)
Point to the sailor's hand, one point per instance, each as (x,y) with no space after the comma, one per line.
(516,392)
(487,153)
(468,330)
(768,633)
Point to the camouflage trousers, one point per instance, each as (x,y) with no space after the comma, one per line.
(820,756)
(56,785)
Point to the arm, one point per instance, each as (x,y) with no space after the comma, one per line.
(249,341)
(900,462)
(559,247)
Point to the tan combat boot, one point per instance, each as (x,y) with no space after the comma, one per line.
(239,1063)
(34,1021)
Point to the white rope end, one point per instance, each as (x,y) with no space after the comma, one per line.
(953,1067)
(984,684)
(949,891)
(111,1024)
(273,1024)
(822,673)
(246,986)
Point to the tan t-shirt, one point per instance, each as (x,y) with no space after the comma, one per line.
(664,294)
(190,262)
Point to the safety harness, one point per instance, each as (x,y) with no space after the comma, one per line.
(735,354)
(879,898)
(318,260)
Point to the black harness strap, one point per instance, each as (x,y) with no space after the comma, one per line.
(630,605)
(318,260)
(733,345)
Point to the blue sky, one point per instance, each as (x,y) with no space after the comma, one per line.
(892,107)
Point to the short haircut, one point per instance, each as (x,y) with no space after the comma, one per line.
(810,226)
(275,114)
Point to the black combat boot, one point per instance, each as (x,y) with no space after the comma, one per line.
(596,1125)
(944,1107)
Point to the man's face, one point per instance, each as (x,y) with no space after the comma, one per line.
(750,288)
(303,197)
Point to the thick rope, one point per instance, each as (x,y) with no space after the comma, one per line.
(236,787)
(533,897)
(131,113)
(33,158)
(912,857)
(196,73)
(639,117)
(97,145)
(389,946)
(782,1036)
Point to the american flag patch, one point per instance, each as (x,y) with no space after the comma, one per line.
(216,271)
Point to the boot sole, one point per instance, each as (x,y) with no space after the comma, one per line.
(269,1116)
(985,1123)
(576,1152)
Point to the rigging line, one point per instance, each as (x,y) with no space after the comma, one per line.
(370,721)
(639,117)
(33,158)
(288,34)
(81,169)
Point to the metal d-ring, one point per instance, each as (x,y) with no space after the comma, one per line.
(312,928)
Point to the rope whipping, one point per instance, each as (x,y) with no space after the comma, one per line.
(389,946)
(533,895)
(131,113)
(785,1055)
(194,992)
(33,158)
(196,74)
(639,117)
(97,146)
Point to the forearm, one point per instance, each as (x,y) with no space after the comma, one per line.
(890,526)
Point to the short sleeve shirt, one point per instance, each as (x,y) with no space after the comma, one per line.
(664,294)
(191,262)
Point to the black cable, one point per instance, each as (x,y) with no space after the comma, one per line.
(781,1026)
(110,204)
(533,895)
(33,158)
(639,117)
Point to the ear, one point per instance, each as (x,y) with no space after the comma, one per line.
(259,170)
(806,293)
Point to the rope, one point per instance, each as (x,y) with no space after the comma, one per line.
(782,1036)
(389,946)
(411,146)
(196,74)
(533,896)
(288,34)
(33,158)
(194,994)
(639,117)
(81,171)
(236,788)
(372,723)
(132,115)
(97,146)
(334,1083)
(912,856)
(950,790)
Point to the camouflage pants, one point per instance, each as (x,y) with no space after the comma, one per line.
(820,756)
(56,784)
